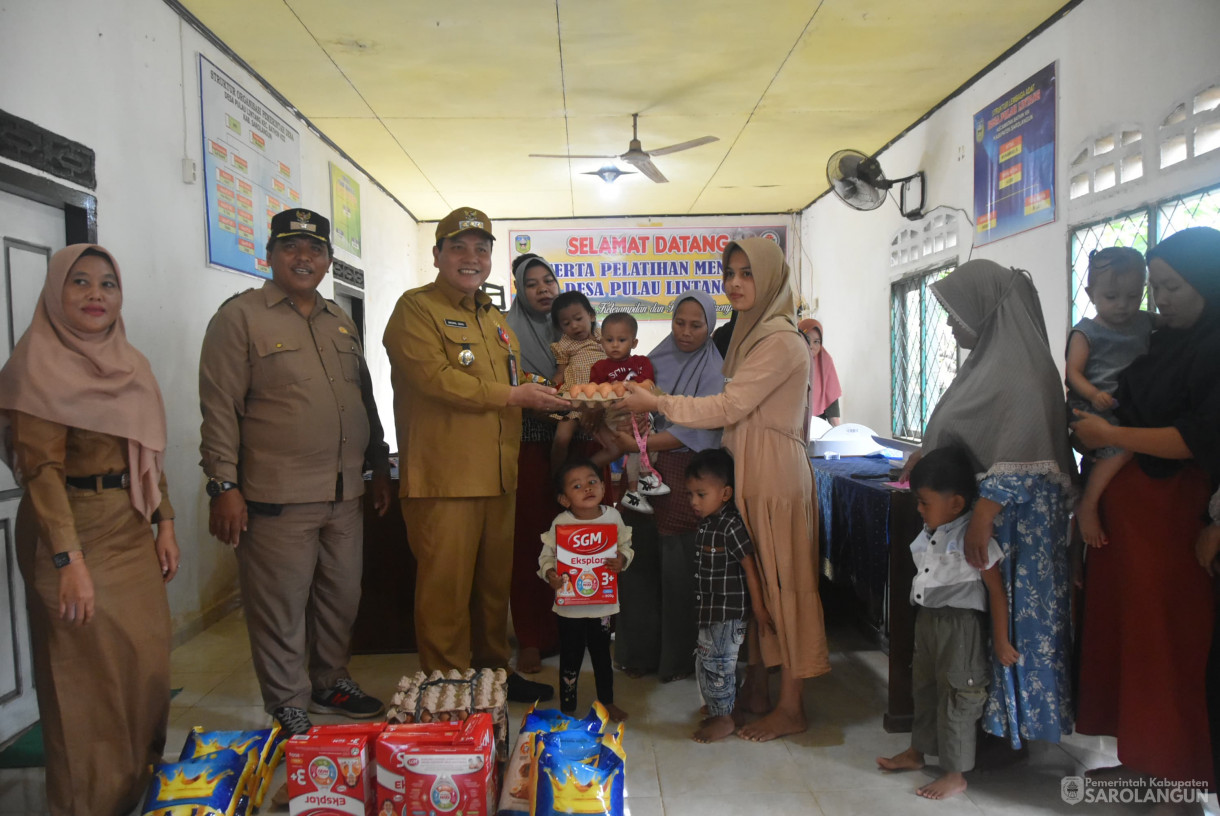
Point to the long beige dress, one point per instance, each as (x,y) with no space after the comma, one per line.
(103,688)
(762,411)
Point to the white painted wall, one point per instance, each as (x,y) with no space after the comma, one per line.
(651,331)
(120,76)
(1120,62)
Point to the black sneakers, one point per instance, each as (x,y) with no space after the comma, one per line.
(293,720)
(346,698)
(520,690)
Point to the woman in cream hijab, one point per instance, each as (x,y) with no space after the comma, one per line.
(763,410)
(84,424)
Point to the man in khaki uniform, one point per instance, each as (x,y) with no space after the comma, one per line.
(457,407)
(289,425)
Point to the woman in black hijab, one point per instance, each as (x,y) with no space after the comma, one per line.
(1148,616)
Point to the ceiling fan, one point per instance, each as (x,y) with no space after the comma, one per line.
(636,155)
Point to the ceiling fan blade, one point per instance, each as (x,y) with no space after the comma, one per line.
(645,166)
(568,156)
(661,151)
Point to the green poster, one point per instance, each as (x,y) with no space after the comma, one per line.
(344,211)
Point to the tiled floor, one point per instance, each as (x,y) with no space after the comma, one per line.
(828,770)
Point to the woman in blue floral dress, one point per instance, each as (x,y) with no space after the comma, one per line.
(1006,407)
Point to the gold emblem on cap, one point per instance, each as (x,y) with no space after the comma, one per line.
(303,215)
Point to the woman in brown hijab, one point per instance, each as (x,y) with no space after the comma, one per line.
(84,426)
(764,410)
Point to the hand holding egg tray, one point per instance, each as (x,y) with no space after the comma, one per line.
(598,395)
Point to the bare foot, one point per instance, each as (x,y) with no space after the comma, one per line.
(951,784)
(617,714)
(703,710)
(715,728)
(634,673)
(1089,522)
(529,661)
(908,760)
(671,678)
(773,726)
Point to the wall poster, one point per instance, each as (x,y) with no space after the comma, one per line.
(640,270)
(344,210)
(1014,160)
(251,171)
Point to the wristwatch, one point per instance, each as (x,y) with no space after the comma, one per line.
(63,559)
(215,486)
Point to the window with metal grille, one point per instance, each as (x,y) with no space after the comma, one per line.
(1136,229)
(1128,229)
(923,354)
(1201,209)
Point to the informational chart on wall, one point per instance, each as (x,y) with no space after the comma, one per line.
(344,210)
(1014,160)
(639,270)
(251,171)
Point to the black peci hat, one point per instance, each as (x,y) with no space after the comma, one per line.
(300,222)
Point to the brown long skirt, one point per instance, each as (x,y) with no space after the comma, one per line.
(1148,626)
(103,688)
(530,598)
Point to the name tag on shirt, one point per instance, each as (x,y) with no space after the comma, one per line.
(457,324)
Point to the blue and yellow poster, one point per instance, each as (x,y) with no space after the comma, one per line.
(251,171)
(1014,160)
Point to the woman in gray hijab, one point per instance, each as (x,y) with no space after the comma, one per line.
(657,626)
(1006,408)
(530,599)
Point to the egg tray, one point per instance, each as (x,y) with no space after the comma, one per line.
(602,402)
(593,402)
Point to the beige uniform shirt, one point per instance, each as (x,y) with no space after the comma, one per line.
(46,452)
(284,400)
(457,437)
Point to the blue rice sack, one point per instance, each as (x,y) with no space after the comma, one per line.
(211,785)
(518,773)
(578,772)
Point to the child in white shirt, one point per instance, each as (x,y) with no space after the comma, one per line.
(583,626)
(950,672)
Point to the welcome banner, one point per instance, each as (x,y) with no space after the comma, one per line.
(639,270)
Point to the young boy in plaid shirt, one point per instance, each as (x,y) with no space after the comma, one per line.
(728,588)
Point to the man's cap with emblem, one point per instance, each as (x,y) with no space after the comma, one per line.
(300,222)
(462,219)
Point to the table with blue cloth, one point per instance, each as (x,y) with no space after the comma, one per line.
(865,536)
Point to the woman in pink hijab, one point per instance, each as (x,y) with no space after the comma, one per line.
(84,425)
(824,388)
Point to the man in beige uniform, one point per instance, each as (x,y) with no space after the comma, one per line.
(457,407)
(289,424)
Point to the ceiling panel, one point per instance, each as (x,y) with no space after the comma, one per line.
(441,59)
(270,38)
(443,102)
